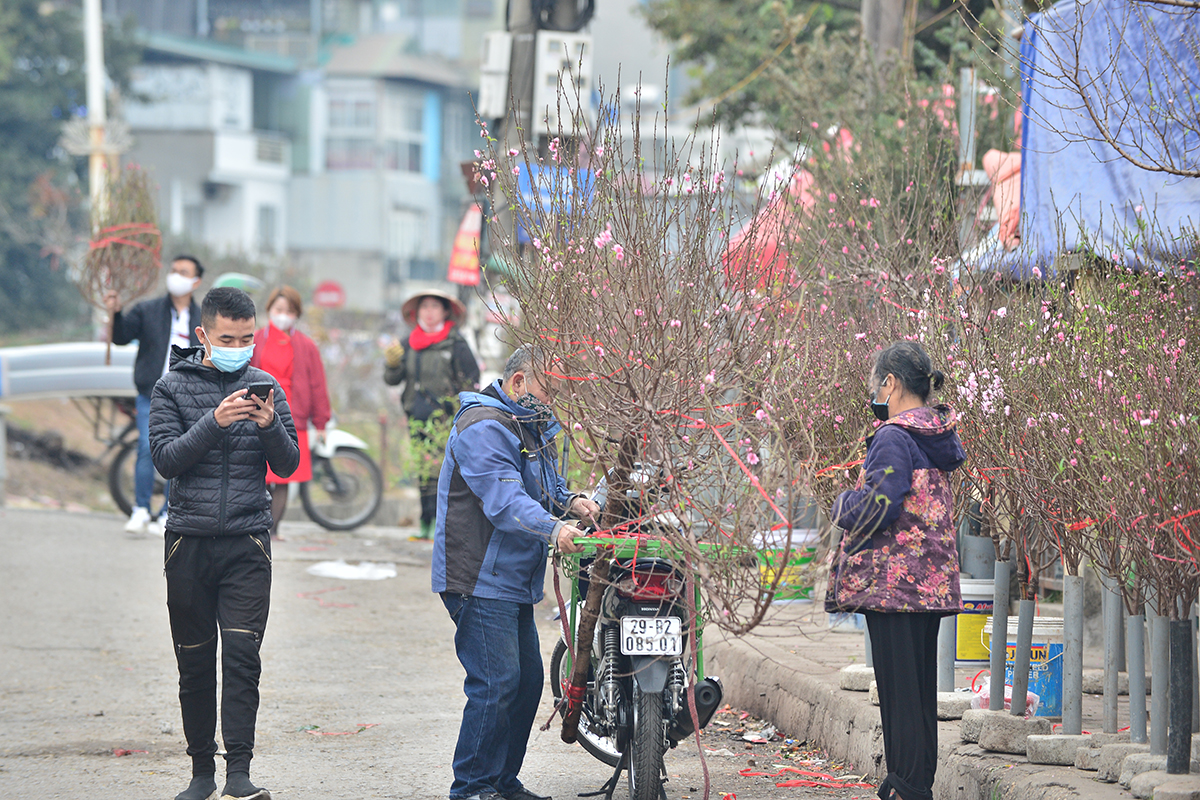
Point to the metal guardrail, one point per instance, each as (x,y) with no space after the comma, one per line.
(68,369)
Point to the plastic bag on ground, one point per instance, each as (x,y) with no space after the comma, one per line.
(983,696)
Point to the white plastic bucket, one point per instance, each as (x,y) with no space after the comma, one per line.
(977,598)
(1045,662)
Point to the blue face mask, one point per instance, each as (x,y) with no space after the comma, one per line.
(229,359)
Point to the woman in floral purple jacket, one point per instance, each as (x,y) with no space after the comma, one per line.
(897,563)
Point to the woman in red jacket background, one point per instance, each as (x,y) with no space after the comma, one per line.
(293,360)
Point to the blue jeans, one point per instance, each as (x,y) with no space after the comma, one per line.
(143,474)
(497,644)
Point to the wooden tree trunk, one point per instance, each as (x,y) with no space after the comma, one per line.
(584,635)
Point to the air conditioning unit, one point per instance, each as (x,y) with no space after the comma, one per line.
(562,81)
(492,102)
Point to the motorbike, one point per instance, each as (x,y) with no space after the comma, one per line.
(347,485)
(636,703)
(345,491)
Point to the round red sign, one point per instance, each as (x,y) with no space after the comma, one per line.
(329,294)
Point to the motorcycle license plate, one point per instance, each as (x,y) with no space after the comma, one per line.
(651,636)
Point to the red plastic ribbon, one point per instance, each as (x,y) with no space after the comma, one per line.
(814,779)
(116,235)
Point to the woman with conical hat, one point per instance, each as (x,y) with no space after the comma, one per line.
(434,363)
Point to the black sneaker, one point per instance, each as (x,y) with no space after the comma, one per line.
(525,794)
(239,787)
(202,787)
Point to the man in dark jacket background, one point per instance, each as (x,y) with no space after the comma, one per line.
(500,506)
(215,439)
(156,324)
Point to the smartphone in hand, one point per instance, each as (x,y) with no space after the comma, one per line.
(261,390)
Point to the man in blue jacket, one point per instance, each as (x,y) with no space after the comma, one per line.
(501,504)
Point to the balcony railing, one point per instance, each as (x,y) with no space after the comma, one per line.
(251,152)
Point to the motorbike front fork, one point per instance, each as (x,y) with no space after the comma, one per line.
(609,685)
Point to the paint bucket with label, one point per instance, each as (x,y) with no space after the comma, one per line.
(783,561)
(1045,661)
(977,597)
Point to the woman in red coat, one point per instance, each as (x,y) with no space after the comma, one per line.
(293,360)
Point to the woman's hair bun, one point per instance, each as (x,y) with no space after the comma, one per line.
(937,379)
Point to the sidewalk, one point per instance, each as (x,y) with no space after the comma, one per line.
(787,671)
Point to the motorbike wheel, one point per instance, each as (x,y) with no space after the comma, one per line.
(646,746)
(121,480)
(600,747)
(345,490)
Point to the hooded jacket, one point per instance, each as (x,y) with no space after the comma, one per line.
(499,498)
(898,551)
(218,475)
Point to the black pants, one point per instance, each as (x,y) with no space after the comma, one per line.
(224,583)
(904,648)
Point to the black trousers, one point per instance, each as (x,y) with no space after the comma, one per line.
(904,649)
(218,583)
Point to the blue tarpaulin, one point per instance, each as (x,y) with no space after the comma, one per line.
(548,193)
(1093,70)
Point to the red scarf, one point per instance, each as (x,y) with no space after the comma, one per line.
(419,339)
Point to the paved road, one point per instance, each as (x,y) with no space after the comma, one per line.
(86,670)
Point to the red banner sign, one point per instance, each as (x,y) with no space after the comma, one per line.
(464,258)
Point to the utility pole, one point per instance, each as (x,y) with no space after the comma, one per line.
(883,28)
(93,41)
(523,27)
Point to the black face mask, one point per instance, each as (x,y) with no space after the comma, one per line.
(543,412)
(880,410)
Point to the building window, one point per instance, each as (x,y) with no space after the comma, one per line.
(404,233)
(403,129)
(402,156)
(346,153)
(405,112)
(193,222)
(354,114)
(461,132)
(267,224)
(425,269)
(394,274)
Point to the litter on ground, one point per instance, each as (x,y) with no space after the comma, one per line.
(362,571)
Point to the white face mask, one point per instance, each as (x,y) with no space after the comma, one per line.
(179,285)
(283,322)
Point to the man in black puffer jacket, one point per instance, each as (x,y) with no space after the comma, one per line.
(214,439)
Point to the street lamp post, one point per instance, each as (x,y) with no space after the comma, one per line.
(93,41)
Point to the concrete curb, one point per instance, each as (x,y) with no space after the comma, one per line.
(801,697)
